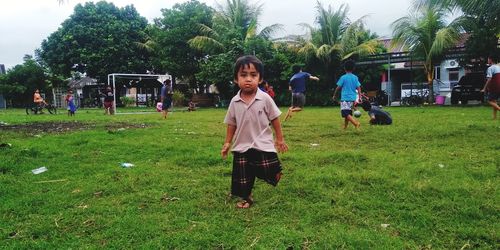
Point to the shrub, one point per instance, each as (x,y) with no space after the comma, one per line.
(178,98)
(127,101)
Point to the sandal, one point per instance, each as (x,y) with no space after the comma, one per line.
(244,204)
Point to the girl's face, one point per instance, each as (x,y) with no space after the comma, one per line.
(248,78)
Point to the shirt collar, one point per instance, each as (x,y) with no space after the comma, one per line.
(258,96)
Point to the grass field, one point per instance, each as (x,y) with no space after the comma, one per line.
(430,181)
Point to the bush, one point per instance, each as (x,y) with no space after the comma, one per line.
(178,98)
(127,101)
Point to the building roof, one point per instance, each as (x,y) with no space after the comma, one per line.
(82,82)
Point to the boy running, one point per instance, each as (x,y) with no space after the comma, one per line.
(348,84)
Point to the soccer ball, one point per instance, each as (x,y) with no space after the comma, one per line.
(357,113)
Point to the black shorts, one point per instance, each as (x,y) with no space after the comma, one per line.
(250,164)
(167,102)
(298,100)
(492,96)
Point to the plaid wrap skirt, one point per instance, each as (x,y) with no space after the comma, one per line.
(250,164)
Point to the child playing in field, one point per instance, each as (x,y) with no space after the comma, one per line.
(248,117)
(492,85)
(376,114)
(348,84)
(297,86)
(70,103)
(191,106)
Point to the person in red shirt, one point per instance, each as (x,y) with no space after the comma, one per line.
(269,89)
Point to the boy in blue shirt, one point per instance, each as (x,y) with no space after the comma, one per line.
(297,86)
(348,84)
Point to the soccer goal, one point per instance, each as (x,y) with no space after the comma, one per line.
(114,76)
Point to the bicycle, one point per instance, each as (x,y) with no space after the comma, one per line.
(415,99)
(33,109)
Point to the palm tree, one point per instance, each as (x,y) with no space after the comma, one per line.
(476,7)
(427,36)
(337,38)
(233,26)
(480,19)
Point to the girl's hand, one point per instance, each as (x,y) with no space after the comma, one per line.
(281,146)
(225,150)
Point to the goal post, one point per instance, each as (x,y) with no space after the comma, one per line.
(112,81)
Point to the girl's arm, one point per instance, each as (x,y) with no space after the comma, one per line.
(280,140)
(229,138)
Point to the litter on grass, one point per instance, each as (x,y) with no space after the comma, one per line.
(126,165)
(39,170)
(5,145)
(440,165)
(385,225)
(314,144)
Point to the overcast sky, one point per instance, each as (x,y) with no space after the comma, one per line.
(25,23)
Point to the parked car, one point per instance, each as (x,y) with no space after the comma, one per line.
(468,88)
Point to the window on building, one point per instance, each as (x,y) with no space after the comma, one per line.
(453,75)
(438,72)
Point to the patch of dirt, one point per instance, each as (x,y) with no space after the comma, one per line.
(63,127)
(48,127)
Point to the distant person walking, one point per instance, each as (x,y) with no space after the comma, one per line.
(166,97)
(297,86)
(492,85)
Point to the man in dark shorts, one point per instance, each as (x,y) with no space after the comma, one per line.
(166,97)
(298,87)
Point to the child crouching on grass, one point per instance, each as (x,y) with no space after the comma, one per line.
(248,117)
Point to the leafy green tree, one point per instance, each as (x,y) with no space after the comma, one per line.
(333,39)
(169,36)
(427,36)
(19,83)
(234,32)
(234,25)
(336,39)
(100,35)
(481,20)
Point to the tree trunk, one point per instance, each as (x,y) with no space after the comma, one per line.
(429,69)
(430,98)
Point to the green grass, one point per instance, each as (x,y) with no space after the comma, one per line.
(433,176)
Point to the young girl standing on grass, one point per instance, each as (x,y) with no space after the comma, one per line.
(248,117)
(71,103)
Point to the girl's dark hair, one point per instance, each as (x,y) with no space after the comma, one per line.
(349,65)
(245,61)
